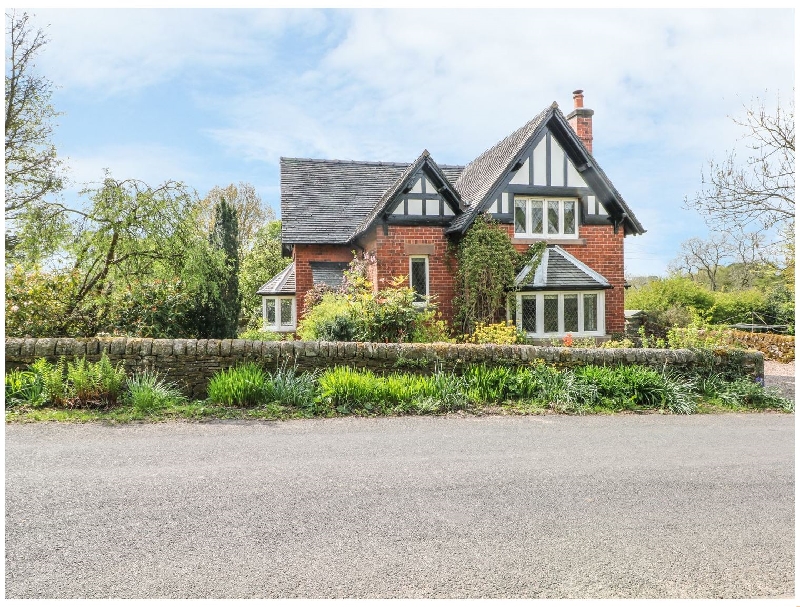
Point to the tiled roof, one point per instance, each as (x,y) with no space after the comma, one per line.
(330,273)
(480,175)
(324,201)
(280,284)
(558,270)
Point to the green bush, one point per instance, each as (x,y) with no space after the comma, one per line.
(246,385)
(94,385)
(259,335)
(320,319)
(148,392)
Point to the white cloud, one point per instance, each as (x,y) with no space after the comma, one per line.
(112,52)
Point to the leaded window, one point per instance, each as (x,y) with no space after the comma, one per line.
(571,313)
(590,312)
(548,314)
(542,217)
(551,313)
(529,313)
(279,314)
(418,278)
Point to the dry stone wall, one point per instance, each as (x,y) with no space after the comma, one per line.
(192,362)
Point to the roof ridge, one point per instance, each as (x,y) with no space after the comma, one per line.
(337,161)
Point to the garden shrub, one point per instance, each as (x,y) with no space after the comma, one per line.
(97,384)
(24,388)
(259,335)
(496,333)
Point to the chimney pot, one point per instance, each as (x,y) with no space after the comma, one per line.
(578,97)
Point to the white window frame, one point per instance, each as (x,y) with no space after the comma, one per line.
(277,327)
(601,313)
(529,217)
(421,304)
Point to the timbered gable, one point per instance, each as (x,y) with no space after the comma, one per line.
(421,198)
(544,170)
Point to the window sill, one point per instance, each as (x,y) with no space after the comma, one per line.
(283,329)
(559,241)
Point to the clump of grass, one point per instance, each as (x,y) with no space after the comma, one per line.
(288,387)
(24,388)
(245,385)
(148,392)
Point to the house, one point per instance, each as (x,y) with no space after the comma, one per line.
(541,183)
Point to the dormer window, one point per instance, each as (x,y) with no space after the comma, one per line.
(545,217)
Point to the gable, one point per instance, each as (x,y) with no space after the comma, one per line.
(544,168)
(543,158)
(421,198)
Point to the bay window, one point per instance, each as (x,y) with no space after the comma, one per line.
(543,217)
(280,314)
(553,314)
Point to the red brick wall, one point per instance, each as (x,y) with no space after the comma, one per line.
(305,253)
(604,252)
(393,261)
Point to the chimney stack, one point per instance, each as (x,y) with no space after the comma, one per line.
(580,119)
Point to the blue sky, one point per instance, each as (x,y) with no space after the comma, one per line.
(212,97)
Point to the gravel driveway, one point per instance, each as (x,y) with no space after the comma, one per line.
(781,376)
(539,507)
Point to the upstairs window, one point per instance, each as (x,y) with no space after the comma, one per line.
(545,217)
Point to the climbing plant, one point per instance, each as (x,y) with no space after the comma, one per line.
(487,264)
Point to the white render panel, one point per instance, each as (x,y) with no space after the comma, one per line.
(540,163)
(521,176)
(429,187)
(556,163)
(417,189)
(400,210)
(506,208)
(591,203)
(574,178)
(448,210)
(414,206)
(601,210)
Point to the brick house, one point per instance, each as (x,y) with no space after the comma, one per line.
(541,183)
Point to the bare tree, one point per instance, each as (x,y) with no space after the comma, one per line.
(756,193)
(32,165)
(703,257)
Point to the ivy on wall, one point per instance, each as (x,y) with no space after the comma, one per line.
(487,266)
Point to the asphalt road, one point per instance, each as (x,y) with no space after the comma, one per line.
(541,507)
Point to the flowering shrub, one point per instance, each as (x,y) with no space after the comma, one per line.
(496,333)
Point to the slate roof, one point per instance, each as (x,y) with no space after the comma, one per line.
(281,284)
(559,270)
(334,201)
(330,273)
(324,201)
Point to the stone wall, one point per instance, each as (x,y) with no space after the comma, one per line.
(192,362)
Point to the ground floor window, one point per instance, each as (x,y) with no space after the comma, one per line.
(280,313)
(553,314)
(418,278)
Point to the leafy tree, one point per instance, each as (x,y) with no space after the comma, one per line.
(487,264)
(224,304)
(758,192)
(33,169)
